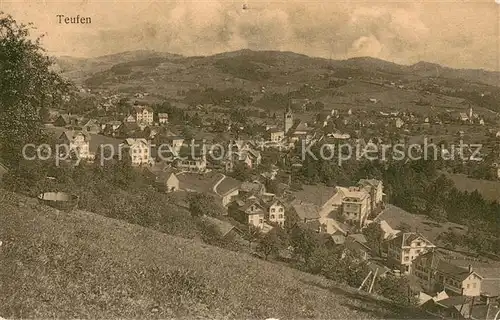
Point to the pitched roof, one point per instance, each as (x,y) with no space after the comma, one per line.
(315,194)
(110,143)
(227,185)
(223,227)
(453,301)
(275,130)
(371,182)
(306,210)
(141,108)
(197,182)
(251,187)
(71,134)
(406,238)
(247,205)
(355,195)
(359,237)
(165,175)
(133,141)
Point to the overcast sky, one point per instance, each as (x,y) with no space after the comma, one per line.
(460,33)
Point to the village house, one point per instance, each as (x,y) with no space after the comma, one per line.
(64,120)
(225,229)
(175,142)
(251,213)
(143,114)
(434,274)
(457,276)
(328,205)
(255,188)
(461,307)
(192,163)
(128,129)
(167,181)
(224,188)
(276,212)
(250,158)
(275,135)
(404,248)
(227,189)
(110,128)
(78,143)
(92,126)
(355,243)
(162,118)
(130,119)
(139,151)
(399,123)
(164,177)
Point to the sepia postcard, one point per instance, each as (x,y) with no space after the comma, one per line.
(250,159)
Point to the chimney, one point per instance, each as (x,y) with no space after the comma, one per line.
(470,268)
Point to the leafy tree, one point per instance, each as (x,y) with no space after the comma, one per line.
(187,133)
(397,289)
(304,242)
(241,172)
(437,212)
(201,204)
(253,234)
(269,244)
(27,86)
(375,236)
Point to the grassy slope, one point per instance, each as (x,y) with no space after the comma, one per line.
(80,265)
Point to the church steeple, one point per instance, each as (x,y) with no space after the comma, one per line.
(288,119)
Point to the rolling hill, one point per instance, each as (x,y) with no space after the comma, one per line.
(82,265)
(281,62)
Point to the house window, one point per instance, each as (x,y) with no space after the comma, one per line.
(272,216)
(407,258)
(261,221)
(281,210)
(281,216)
(273,210)
(419,244)
(468,286)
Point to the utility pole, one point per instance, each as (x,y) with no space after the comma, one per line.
(373,281)
(364,281)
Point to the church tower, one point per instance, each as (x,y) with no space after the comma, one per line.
(288,119)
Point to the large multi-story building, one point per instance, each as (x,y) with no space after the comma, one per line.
(404,248)
(276,212)
(77,143)
(435,273)
(139,151)
(356,205)
(143,114)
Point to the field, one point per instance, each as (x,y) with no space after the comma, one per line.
(82,265)
(490,190)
